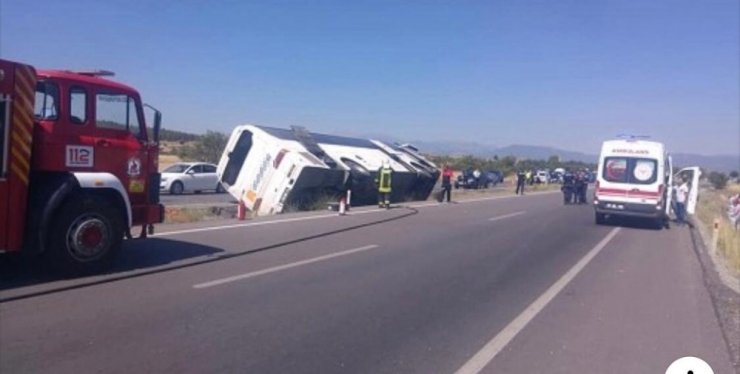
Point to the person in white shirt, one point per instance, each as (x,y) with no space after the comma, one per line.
(682,195)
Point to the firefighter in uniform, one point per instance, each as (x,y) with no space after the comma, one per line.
(383,181)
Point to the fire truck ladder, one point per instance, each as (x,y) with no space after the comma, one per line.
(307,140)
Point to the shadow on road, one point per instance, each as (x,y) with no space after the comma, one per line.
(20,271)
(634,223)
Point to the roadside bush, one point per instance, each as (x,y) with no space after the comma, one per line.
(207,148)
(718,180)
(507,164)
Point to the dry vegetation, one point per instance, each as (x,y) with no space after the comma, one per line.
(713,205)
(167,160)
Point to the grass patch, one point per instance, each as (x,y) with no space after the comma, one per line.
(713,205)
(197,214)
(501,189)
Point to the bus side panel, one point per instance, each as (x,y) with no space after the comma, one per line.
(19,145)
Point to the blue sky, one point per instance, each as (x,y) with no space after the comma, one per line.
(560,73)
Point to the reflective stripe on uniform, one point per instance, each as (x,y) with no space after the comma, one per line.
(385,180)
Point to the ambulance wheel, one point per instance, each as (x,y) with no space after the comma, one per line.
(85,236)
(600,218)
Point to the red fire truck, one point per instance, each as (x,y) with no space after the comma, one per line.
(78,166)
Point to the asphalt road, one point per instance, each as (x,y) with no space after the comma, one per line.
(504,285)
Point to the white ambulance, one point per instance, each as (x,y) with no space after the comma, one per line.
(636,178)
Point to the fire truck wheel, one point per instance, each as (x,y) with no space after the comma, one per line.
(85,236)
(176,188)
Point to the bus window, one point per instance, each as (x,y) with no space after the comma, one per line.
(237,157)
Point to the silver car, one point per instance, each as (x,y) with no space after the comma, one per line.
(190,177)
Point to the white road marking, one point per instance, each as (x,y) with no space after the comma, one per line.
(479,361)
(507,216)
(322,216)
(253,274)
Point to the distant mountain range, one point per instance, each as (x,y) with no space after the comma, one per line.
(723,163)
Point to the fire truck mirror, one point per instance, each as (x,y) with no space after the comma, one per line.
(157,125)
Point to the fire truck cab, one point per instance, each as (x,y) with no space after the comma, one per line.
(78,166)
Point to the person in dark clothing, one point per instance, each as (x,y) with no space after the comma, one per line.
(581,186)
(568,188)
(521,178)
(446,182)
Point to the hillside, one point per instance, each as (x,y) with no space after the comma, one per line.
(177,143)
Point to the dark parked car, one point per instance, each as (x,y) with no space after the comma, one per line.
(467,179)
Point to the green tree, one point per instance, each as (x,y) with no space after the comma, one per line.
(718,180)
(734,174)
(207,148)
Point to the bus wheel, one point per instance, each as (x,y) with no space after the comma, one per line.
(85,236)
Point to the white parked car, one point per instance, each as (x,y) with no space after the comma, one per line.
(190,177)
(542,176)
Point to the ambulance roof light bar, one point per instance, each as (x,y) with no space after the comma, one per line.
(632,137)
(96,73)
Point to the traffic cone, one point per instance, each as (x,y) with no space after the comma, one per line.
(241,211)
(342,206)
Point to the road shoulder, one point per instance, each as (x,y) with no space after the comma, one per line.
(723,290)
(640,305)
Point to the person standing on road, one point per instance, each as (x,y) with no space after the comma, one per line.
(520,180)
(384,181)
(348,185)
(446,183)
(682,195)
(581,187)
(568,188)
(476,175)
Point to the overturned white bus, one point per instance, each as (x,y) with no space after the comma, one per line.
(269,169)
